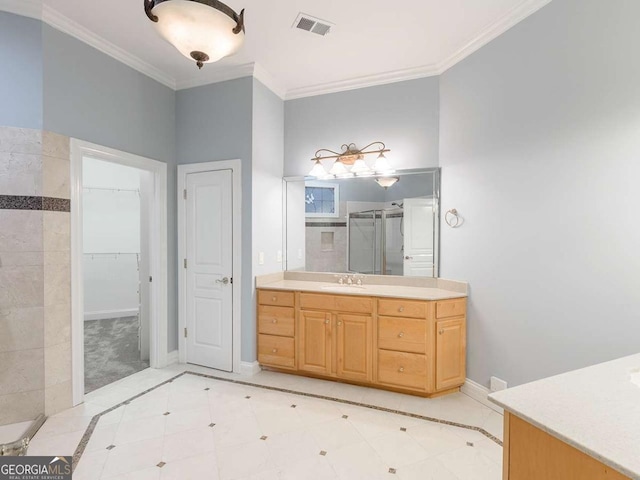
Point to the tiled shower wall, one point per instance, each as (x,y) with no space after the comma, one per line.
(35,285)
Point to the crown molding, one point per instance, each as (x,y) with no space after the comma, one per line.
(269,81)
(35,9)
(26,8)
(68,26)
(362,82)
(492,31)
(207,77)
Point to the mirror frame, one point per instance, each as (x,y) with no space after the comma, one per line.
(437,175)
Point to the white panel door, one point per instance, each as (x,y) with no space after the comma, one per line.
(209,269)
(418,237)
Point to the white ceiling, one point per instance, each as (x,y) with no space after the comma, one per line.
(373,42)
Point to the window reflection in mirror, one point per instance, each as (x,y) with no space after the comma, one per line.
(355,225)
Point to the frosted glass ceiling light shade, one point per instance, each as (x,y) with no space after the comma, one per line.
(202,30)
(338,169)
(382,165)
(360,167)
(386,182)
(318,170)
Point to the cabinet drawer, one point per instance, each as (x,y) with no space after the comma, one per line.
(403,334)
(276,351)
(402,308)
(276,320)
(338,303)
(401,369)
(275,297)
(451,308)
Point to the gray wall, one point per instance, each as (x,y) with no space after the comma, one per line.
(404,115)
(539,151)
(214,122)
(90,96)
(267,164)
(20,71)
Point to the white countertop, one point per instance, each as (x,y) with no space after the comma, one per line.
(595,409)
(395,291)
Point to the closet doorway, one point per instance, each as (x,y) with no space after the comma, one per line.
(119,266)
(116,263)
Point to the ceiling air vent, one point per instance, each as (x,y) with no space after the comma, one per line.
(311,24)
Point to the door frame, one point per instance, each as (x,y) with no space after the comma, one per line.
(236,185)
(158,253)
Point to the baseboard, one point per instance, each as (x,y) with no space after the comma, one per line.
(480,394)
(249,368)
(106,314)
(172,357)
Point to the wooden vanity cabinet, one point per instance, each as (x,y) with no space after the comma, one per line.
(405,345)
(336,336)
(277,329)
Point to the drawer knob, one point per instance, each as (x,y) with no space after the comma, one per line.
(441,332)
(401,334)
(401,369)
(275,350)
(273,299)
(401,309)
(275,320)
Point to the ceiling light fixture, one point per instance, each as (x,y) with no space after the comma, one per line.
(351,161)
(203,30)
(386,182)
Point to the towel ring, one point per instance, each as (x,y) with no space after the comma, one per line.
(453,219)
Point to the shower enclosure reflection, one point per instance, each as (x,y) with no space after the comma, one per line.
(354,225)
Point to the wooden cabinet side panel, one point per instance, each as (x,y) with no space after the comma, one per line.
(536,455)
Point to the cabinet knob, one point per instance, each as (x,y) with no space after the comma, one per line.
(275,350)
(339,323)
(401,309)
(273,299)
(401,334)
(401,369)
(326,321)
(441,332)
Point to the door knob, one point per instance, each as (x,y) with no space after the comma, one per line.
(224,281)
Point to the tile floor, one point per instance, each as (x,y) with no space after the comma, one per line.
(201,428)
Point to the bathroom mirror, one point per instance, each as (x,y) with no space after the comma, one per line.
(378,225)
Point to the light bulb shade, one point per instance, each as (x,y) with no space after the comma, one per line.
(386,182)
(338,169)
(202,30)
(318,170)
(360,168)
(382,165)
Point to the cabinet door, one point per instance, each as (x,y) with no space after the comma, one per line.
(451,340)
(354,345)
(315,342)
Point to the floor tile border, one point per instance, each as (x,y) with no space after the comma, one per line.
(84,441)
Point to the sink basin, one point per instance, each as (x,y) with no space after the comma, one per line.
(344,288)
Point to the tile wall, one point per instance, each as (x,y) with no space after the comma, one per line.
(35,291)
